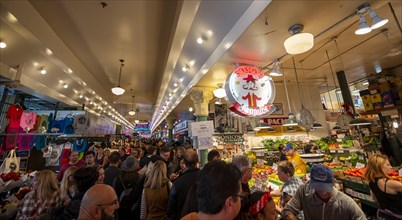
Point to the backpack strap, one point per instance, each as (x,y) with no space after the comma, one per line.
(122,182)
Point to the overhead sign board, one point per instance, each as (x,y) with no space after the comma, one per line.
(250,92)
(202,128)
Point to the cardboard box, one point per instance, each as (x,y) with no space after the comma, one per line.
(385,87)
(375,98)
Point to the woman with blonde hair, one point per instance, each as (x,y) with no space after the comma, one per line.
(156,192)
(44,195)
(67,185)
(386,191)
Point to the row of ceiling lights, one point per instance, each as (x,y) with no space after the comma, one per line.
(115,114)
(186,67)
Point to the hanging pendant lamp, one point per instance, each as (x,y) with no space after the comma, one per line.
(132,112)
(118,90)
(299,42)
(261,125)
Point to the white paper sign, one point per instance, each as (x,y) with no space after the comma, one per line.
(400,172)
(202,128)
(275,166)
(340,151)
(360,165)
(260,162)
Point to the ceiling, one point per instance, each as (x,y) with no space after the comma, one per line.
(79,43)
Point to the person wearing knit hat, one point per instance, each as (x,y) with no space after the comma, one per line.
(295,159)
(262,206)
(129,164)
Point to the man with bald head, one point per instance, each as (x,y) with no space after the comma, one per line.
(99,203)
(182,184)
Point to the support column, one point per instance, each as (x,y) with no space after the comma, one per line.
(201,98)
(343,84)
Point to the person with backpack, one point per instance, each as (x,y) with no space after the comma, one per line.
(127,187)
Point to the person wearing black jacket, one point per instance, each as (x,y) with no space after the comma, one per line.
(181,186)
(128,179)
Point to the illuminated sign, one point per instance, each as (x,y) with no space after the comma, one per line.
(250,92)
(141,127)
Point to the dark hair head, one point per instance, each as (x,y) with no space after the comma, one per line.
(218,181)
(281,147)
(286,167)
(85,177)
(151,150)
(191,158)
(114,157)
(164,149)
(212,154)
(90,152)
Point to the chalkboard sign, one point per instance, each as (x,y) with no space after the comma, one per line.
(23,153)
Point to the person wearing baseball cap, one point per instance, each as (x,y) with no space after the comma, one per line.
(319,200)
(295,159)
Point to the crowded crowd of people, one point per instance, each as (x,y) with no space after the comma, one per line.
(150,180)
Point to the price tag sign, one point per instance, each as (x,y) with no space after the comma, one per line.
(260,162)
(360,165)
(340,151)
(400,172)
(347,163)
(318,151)
(361,157)
(332,151)
(275,166)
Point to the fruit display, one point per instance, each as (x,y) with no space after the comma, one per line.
(395,176)
(262,171)
(357,172)
(334,166)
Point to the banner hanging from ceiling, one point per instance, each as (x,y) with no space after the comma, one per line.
(250,92)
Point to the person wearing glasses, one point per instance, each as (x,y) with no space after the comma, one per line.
(219,192)
(387,192)
(97,206)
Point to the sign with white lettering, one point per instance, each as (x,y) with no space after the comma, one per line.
(229,138)
(275,121)
(250,92)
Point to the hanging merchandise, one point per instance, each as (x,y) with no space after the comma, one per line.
(44,123)
(37,123)
(54,156)
(50,122)
(69,129)
(80,145)
(10,163)
(81,124)
(27,121)
(23,141)
(58,126)
(40,142)
(65,154)
(11,138)
(14,114)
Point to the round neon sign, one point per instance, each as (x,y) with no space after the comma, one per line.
(250,92)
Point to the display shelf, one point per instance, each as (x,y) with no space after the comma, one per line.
(359,191)
(378,111)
